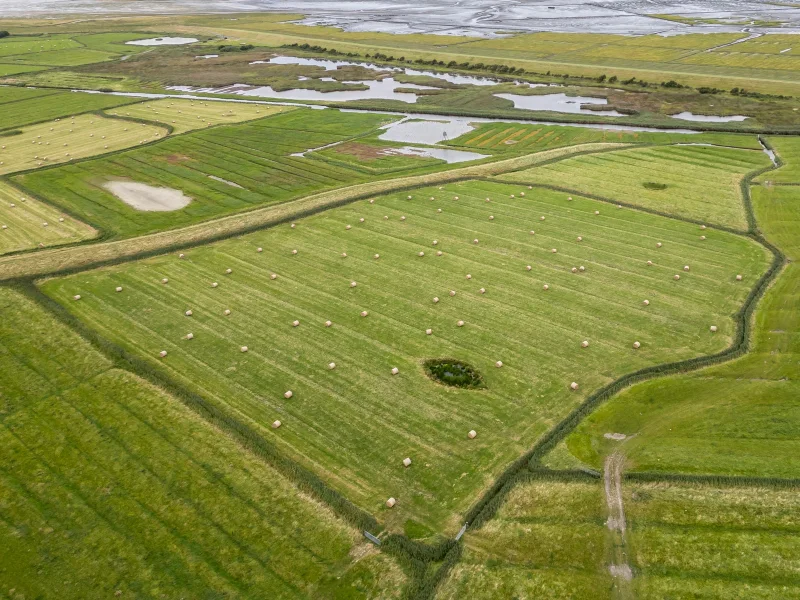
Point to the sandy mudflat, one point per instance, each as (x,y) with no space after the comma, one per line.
(147,197)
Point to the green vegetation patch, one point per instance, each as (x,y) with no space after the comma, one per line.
(452,372)
(355,423)
(704,182)
(652,185)
(111,487)
(49,105)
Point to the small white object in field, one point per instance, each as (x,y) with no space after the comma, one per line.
(441,188)
(686,268)
(61,219)
(488,199)
(738,278)
(455,197)
(439,253)
(347,226)
(259,250)
(344,254)
(377,256)
(409,197)
(189,336)
(119,289)
(646,302)
(597,212)
(472,434)
(528,267)
(573,386)
(372,201)
(44,224)
(580,239)
(491,217)
(585,344)
(658,244)
(406,462)
(435,242)
(402,218)
(619,205)
(438,210)
(165,280)
(273,276)
(244,348)
(288,394)
(581,268)
(498,364)
(364,313)
(163,353)
(361,220)
(649,263)
(545,287)
(293,225)
(276,424)
(428,331)
(482,290)
(386,217)
(570,198)
(460,323)
(215,284)
(541,218)
(353,284)
(13,205)
(294,251)
(295,323)
(76,297)
(328,323)
(435,300)
(395,370)
(226,312)
(181,255)
(331,366)
(188,313)
(452,292)
(512,195)
(5,226)
(432,198)
(475,241)
(522,193)
(391,502)
(554,250)
(469,276)
(228,271)
(532,232)
(713,328)
(574,269)
(702,237)
(702,227)
(677,277)
(421,254)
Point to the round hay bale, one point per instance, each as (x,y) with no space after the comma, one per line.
(541,218)
(460,324)
(482,290)
(619,205)
(580,239)
(512,195)
(421,254)
(435,242)
(432,198)
(738,278)
(259,250)
(406,462)
(574,269)
(581,268)
(188,313)
(402,218)
(469,276)
(391,502)
(118,289)
(686,268)
(226,312)
(569,198)
(364,313)
(76,297)
(377,256)
(439,253)
(646,302)
(649,263)
(409,197)
(215,284)
(395,370)
(428,331)
(472,434)
(163,353)
(435,300)
(597,212)
(498,364)
(328,323)
(361,220)
(554,250)
(372,201)
(713,328)
(189,336)
(475,241)
(658,244)
(702,227)
(488,199)
(228,271)
(165,280)
(702,237)
(636,345)
(344,254)
(243,348)
(293,225)
(676,277)
(288,394)
(438,210)
(347,226)
(452,292)
(491,217)
(455,197)
(386,217)
(528,267)
(573,386)
(522,193)
(276,424)
(294,252)
(353,284)
(60,219)
(585,344)
(545,287)
(331,366)
(295,323)
(273,276)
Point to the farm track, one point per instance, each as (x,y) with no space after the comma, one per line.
(76,258)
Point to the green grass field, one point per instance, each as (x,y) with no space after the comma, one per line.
(36,106)
(700,183)
(27,223)
(188,115)
(71,138)
(110,487)
(329,424)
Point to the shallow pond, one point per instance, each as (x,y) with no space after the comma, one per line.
(559,103)
(445,154)
(425,131)
(688,116)
(163,41)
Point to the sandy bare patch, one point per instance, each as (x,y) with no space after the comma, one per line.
(615,436)
(147,197)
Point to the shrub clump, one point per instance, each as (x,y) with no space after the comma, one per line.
(652,185)
(453,372)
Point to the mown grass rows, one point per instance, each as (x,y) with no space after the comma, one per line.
(330,423)
(109,484)
(702,183)
(36,107)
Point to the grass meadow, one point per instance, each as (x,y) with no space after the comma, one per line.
(71,138)
(110,487)
(695,182)
(27,223)
(329,422)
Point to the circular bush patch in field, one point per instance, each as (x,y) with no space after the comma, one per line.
(452,372)
(652,185)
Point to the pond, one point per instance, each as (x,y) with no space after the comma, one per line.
(445,154)
(688,116)
(454,373)
(425,131)
(163,41)
(559,103)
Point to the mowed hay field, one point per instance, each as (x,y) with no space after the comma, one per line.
(690,540)
(548,540)
(27,223)
(111,487)
(188,115)
(224,170)
(71,138)
(699,182)
(23,106)
(355,424)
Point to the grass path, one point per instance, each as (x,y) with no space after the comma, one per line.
(81,257)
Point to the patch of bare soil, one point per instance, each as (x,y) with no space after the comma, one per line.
(147,197)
